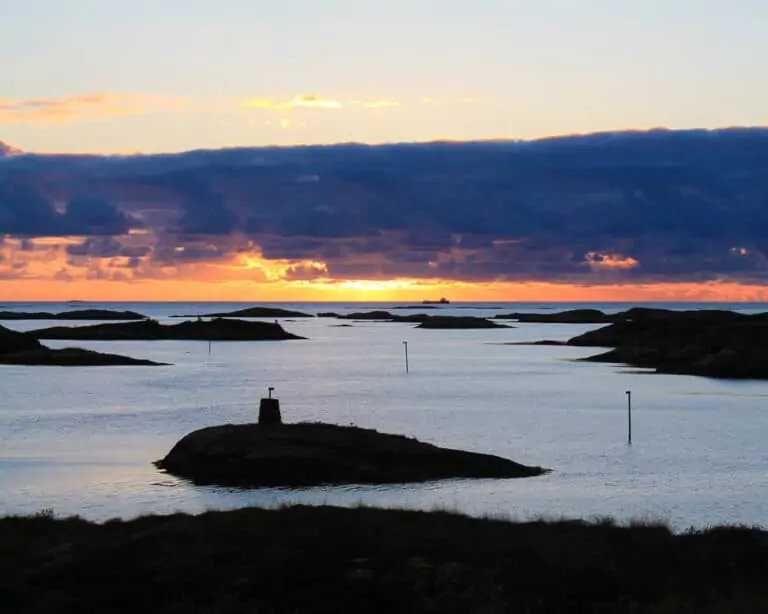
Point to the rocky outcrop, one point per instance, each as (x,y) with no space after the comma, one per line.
(218,329)
(12,341)
(253,312)
(24,349)
(73,357)
(572,316)
(383,316)
(710,343)
(80,314)
(422,319)
(458,322)
(308,454)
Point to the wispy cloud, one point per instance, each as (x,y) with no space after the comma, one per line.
(302,101)
(388,103)
(307,101)
(86,106)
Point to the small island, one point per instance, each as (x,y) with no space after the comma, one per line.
(24,349)
(78,314)
(253,312)
(458,322)
(571,316)
(310,454)
(218,329)
(424,320)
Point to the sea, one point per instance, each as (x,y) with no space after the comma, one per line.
(82,440)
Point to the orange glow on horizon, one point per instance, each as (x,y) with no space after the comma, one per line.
(370,290)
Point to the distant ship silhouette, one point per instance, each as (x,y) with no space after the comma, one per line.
(442,301)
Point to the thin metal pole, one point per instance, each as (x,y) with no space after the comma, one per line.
(629,417)
(405,343)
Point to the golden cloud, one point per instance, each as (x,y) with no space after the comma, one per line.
(87,106)
(610,261)
(302,101)
(307,101)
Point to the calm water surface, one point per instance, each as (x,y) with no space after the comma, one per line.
(81,440)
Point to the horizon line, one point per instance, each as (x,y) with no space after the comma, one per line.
(14,151)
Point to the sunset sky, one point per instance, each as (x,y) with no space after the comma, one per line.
(657,216)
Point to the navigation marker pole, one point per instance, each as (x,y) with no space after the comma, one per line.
(405,343)
(629,417)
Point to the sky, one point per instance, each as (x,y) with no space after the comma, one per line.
(103,77)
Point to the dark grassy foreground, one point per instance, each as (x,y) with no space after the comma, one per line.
(303,559)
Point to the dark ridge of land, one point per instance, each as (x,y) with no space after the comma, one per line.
(73,357)
(310,454)
(424,320)
(253,312)
(79,314)
(327,560)
(12,341)
(384,316)
(572,316)
(459,322)
(18,348)
(710,343)
(218,329)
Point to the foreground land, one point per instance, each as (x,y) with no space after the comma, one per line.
(309,454)
(331,560)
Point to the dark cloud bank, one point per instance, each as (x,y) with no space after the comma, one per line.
(685,205)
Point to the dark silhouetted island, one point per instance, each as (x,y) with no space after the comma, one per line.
(458,322)
(384,316)
(73,357)
(362,560)
(422,319)
(24,349)
(309,454)
(79,314)
(253,312)
(572,316)
(711,343)
(218,329)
